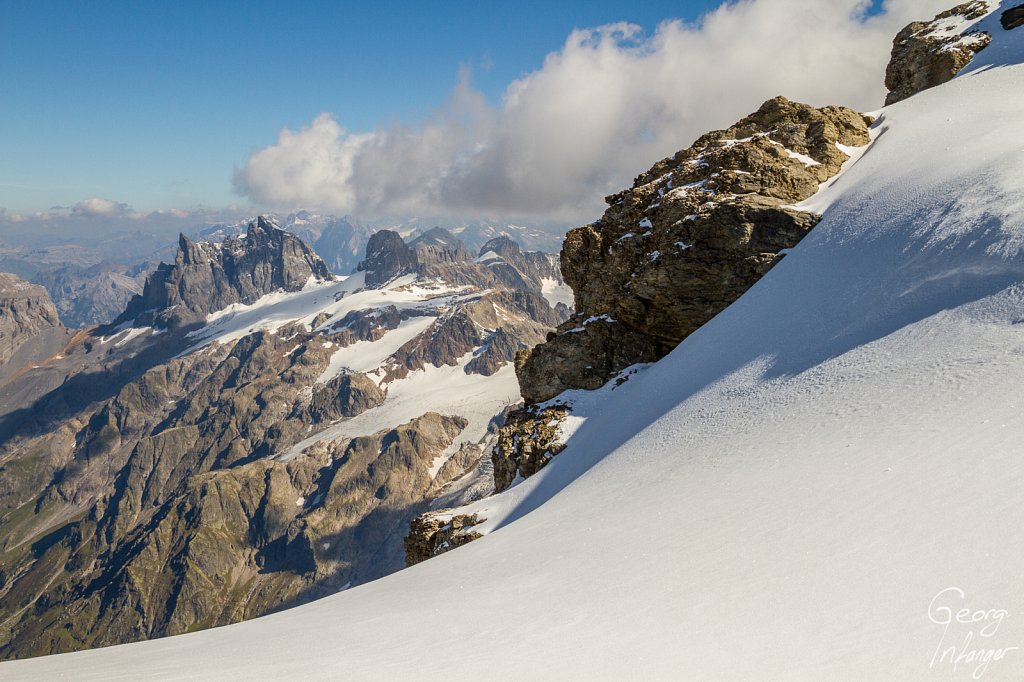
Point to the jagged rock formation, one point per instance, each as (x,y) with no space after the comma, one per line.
(929,53)
(690,236)
(94,295)
(1012,18)
(387,257)
(30,328)
(436,533)
(206,277)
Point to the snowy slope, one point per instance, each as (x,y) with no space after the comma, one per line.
(790,494)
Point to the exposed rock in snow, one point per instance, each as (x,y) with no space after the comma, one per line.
(929,53)
(437,532)
(724,199)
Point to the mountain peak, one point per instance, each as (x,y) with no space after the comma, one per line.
(206,277)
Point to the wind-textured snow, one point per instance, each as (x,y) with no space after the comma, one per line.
(812,486)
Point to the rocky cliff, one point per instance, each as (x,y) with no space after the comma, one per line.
(207,276)
(30,328)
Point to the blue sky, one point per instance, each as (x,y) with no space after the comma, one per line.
(154,104)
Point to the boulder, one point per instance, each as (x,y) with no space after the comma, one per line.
(929,53)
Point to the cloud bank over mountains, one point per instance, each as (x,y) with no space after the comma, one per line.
(605,106)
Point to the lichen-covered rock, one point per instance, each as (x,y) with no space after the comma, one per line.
(206,277)
(437,532)
(929,53)
(692,234)
(527,441)
(1012,18)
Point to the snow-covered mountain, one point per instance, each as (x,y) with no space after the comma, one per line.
(822,482)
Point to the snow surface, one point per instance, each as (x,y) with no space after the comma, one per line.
(809,487)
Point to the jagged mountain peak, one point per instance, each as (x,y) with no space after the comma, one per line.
(209,276)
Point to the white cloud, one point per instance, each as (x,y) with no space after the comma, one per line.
(607,105)
(96,207)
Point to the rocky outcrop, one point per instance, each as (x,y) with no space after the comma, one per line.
(387,257)
(206,277)
(929,53)
(30,328)
(584,352)
(692,234)
(435,533)
(527,441)
(1012,18)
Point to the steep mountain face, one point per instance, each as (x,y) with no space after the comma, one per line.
(929,53)
(266,444)
(387,257)
(30,329)
(207,277)
(87,296)
(692,234)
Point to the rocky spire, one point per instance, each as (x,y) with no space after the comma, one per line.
(206,277)
(387,257)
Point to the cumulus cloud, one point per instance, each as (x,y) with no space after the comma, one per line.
(96,207)
(603,108)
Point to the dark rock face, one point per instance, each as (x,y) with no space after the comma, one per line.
(927,53)
(387,257)
(30,328)
(690,236)
(1012,18)
(208,277)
